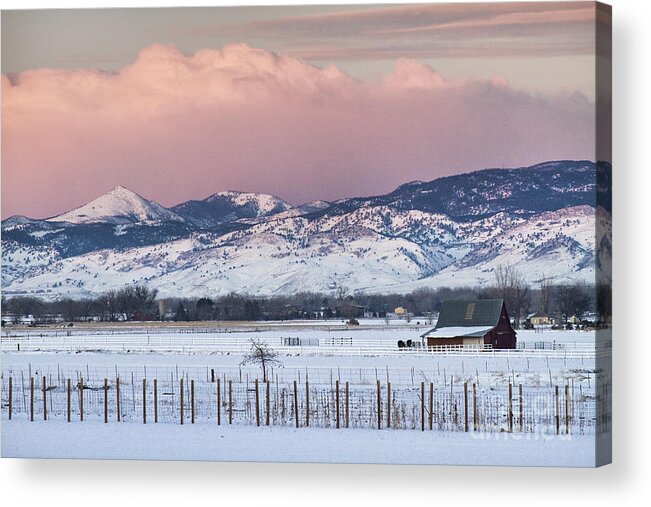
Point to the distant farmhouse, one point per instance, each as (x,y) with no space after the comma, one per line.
(540,319)
(472,323)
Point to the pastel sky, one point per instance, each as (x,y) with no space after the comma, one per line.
(305,103)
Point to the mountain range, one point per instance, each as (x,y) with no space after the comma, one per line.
(452,231)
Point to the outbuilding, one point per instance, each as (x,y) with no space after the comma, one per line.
(472,323)
(540,319)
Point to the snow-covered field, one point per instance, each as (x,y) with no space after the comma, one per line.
(491,375)
(320,338)
(95,440)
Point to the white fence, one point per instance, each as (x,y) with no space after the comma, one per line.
(191,343)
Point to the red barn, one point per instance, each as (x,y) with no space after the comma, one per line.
(472,323)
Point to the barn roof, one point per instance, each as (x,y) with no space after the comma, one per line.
(480,313)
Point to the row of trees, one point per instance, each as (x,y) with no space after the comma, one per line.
(138,302)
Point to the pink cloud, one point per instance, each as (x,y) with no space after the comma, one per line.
(173,127)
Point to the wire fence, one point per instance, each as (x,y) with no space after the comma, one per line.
(535,372)
(459,406)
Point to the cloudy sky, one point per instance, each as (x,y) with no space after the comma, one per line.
(304,103)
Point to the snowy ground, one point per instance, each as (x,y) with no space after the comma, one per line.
(241,442)
(95,440)
(368,330)
(287,340)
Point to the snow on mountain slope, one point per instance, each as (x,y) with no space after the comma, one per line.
(559,245)
(17,221)
(227,207)
(263,204)
(371,249)
(118,206)
(301,210)
(18,259)
(452,231)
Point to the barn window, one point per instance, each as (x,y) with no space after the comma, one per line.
(470,309)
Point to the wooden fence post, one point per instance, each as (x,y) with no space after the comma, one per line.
(379,405)
(296,402)
(558,423)
(192,400)
(219,402)
(567,410)
(68,400)
(117,397)
(307,402)
(510,407)
(521,408)
(465,406)
(105,401)
(212,375)
(474,407)
(230,402)
(337,403)
(431,405)
(181,400)
(81,398)
(388,405)
(155,400)
(257,404)
(133,394)
(347,410)
(422,406)
(44,399)
(268,402)
(31,398)
(10,396)
(144,401)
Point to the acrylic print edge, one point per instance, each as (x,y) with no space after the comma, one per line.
(603,282)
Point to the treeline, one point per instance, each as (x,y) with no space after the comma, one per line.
(139,303)
(135,303)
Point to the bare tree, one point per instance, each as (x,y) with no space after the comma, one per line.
(205,307)
(261,353)
(342,292)
(546,295)
(24,306)
(110,304)
(126,302)
(512,287)
(143,298)
(572,299)
(69,309)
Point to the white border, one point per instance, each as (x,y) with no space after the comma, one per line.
(119,483)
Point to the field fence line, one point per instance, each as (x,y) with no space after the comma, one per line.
(283,345)
(461,406)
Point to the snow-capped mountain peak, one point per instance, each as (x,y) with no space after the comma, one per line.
(118,206)
(229,206)
(263,203)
